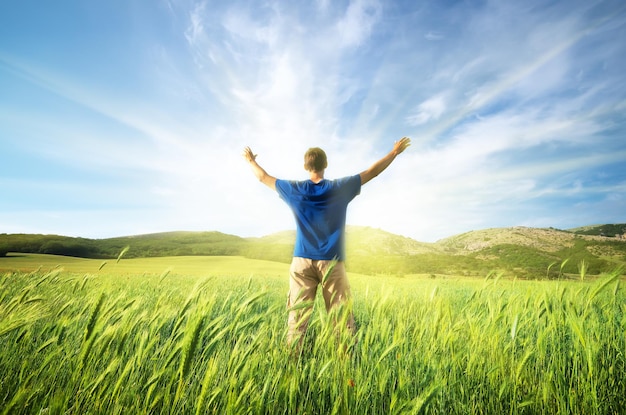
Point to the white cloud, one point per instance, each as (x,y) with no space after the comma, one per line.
(358,22)
(433,35)
(196,28)
(239,23)
(431,109)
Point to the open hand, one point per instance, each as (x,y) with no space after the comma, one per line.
(401,145)
(249,155)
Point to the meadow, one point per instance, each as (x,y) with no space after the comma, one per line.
(197,335)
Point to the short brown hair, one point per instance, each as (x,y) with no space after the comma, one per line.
(315,159)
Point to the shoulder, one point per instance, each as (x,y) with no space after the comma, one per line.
(283,183)
(348,181)
(286,187)
(290,183)
(349,185)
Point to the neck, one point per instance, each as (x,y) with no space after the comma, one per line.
(316,176)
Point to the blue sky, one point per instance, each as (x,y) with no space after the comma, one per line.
(130,117)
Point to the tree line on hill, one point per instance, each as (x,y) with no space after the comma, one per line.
(154,245)
(609,230)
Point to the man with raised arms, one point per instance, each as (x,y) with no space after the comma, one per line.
(319,206)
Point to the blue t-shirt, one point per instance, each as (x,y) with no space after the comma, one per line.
(320,213)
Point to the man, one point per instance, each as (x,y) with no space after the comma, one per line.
(319,207)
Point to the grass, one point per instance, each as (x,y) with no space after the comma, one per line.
(192,266)
(171,339)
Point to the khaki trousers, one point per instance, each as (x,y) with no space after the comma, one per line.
(305,275)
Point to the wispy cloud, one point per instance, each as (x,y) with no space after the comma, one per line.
(359,20)
(432,35)
(429,110)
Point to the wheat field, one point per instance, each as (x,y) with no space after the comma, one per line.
(170,343)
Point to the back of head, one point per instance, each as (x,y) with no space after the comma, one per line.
(315,159)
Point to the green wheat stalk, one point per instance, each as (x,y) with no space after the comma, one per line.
(126,248)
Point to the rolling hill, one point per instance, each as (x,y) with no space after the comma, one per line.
(518,251)
(548,240)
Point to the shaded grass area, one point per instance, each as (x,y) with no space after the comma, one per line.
(194,266)
(174,343)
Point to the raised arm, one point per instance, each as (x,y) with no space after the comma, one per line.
(378,167)
(259,172)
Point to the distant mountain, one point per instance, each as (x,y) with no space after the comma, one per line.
(547,240)
(518,251)
(526,250)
